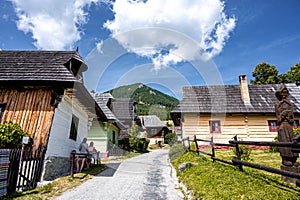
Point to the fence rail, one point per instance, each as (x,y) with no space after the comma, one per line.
(240,163)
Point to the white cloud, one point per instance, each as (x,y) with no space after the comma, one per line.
(169,31)
(53,24)
(99,46)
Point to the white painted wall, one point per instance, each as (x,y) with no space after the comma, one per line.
(59,144)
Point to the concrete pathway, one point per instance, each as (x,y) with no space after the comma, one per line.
(145,177)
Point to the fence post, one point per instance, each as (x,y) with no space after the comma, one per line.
(72,159)
(189,148)
(238,153)
(196,143)
(212,149)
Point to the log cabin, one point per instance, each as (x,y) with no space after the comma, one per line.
(222,112)
(43,92)
(154,127)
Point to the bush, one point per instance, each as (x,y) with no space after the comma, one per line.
(11,135)
(176,151)
(193,146)
(171,138)
(245,152)
(296,131)
(274,148)
(138,144)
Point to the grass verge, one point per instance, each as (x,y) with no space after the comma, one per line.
(215,180)
(62,184)
(57,186)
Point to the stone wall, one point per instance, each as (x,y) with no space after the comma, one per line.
(55,167)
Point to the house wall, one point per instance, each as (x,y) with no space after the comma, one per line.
(31,109)
(110,129)
(98,135)
(57,159)
(250,127)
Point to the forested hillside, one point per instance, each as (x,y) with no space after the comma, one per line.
(149,101)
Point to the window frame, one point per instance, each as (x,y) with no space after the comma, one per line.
(211,126)
(271,128)
(74,128)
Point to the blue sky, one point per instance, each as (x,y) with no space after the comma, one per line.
(165,44)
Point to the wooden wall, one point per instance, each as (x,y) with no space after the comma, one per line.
(31,109)
(250,127)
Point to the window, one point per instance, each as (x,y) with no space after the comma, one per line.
(74,127)
(272,125)
(215,126)
(114,137)
(296,124)
(2,108)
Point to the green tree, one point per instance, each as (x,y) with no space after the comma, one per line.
(291,76)
(264,73)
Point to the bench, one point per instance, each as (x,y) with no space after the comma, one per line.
(95,157)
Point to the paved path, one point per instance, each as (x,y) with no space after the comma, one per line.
(145,177)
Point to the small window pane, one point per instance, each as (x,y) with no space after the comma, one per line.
(74,127)
(272,125)
(215,126)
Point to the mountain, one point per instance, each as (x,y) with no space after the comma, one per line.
(149,101)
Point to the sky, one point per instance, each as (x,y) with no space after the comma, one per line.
(165,44)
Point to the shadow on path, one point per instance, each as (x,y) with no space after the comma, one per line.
(110,171)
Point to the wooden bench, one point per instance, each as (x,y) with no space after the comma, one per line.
(75,155)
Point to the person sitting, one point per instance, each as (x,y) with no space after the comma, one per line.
(93,153)
(83,150)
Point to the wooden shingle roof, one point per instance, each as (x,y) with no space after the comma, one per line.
(42,68)
(123,108)
(55,69)
(227,99)
(103,101)
(149,121)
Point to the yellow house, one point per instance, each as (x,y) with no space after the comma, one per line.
(222,112)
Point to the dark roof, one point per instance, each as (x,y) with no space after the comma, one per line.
(227,99)
(123,108)
(103,101)
(57,69)
(149,121)
(42,68)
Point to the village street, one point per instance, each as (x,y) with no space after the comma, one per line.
(148,176)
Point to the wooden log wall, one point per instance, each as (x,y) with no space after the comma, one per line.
(30,109)
(254,127)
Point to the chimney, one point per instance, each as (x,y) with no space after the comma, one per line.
(244,89)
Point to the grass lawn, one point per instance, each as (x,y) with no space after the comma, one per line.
(215,180)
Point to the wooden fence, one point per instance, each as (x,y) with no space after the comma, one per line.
(26,174)
(237,161)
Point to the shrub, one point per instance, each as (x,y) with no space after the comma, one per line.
(193,146)
(245,152)
(11,135)
(176,151)
(274,148)
(171,138)
(138,144)
(296,131)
